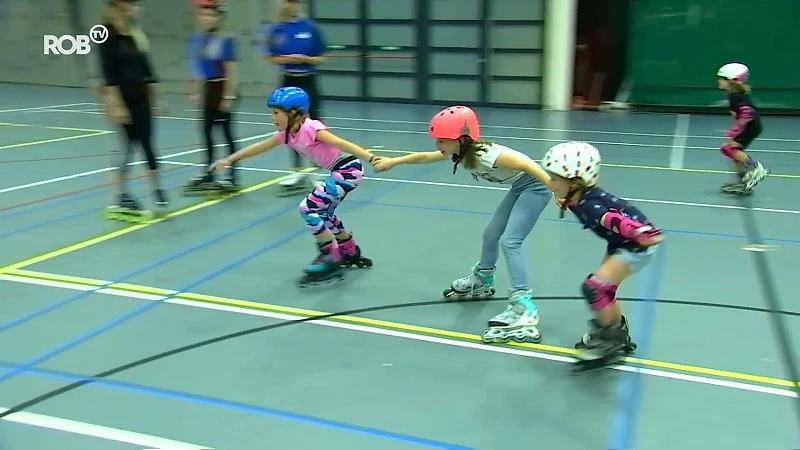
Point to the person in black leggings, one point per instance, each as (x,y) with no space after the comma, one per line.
(297,45)
(130,93)
(213,59)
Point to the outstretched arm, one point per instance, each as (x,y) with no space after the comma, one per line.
(344,145)
(384,164)
(254,149)
(524,164)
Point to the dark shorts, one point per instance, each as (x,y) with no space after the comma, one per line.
(749,134)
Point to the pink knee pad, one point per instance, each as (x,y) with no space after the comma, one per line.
(729,150)
(598,293)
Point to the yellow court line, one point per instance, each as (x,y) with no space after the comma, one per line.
(48,127)
(629,166)
(203,298)
(50,141)
(131,228)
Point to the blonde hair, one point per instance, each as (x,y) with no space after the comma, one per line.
(296,118)
(284,16)
(739,87)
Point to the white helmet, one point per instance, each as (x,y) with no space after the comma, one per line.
(734,71)
(574,160)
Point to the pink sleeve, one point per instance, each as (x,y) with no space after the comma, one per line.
(310,128)
(743,115)
(281,136)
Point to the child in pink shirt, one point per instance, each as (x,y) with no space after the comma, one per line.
(312,139)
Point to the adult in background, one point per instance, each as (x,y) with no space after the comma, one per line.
(297,45)
(131,94)
(213,55)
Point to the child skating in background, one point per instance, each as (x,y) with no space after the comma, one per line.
(457,132)
(312,139)
(631,243)
(745,129)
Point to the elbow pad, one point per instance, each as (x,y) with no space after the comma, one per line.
(627,227)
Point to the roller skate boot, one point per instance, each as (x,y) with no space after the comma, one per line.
(230,183)
(127,209)
(478,285)
(603,346)
(753,176)
(325,268)
(351,255)
(296,183)
(202,185)
(517,323)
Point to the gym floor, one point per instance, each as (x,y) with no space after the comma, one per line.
(178,332)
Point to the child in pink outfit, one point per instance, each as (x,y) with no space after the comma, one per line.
(312,139)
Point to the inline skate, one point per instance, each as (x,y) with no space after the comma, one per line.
(517,323)
(478,285)
(603,347)
(127,209)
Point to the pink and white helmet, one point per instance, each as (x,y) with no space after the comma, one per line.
(574,160)
(734,72)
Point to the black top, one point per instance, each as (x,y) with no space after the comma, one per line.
(126,66)
(743,107)
(594,204)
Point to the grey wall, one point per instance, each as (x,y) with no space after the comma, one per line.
(168,23)
(478,51)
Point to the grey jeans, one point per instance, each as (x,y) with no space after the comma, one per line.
(515,216)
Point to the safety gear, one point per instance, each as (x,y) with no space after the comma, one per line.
(287,98)
(454,122)
(734,72)
(574,160)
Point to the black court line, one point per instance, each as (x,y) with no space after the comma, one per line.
(767,281)
(140,362)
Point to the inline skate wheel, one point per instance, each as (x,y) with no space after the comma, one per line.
(449,292)
(364,263)
(630,348)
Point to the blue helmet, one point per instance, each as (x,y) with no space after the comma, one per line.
(287,98)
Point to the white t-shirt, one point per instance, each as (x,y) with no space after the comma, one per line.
(486,170)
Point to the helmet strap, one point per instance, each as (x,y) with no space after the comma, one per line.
(574,189)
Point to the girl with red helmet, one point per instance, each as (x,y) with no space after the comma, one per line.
(457,133)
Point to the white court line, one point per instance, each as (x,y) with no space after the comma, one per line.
(506,127)
(37,108)
(679,141)
(493,188)
(398,334)
(518,138)
(98,431)
(109,169)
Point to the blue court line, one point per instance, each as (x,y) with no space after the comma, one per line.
(44,204)
(66,345)
(570,221)
(47,222)
(149,266)
(234,405)
(629,392)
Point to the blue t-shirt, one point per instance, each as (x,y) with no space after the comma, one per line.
(295,37)
(208,51)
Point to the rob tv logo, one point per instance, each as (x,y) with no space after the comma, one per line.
(68,44)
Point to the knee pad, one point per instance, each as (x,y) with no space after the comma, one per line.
(598,293)
(729,150)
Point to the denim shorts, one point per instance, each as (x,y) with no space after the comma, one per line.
(636,261)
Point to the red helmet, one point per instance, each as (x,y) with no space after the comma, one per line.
(454,122)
